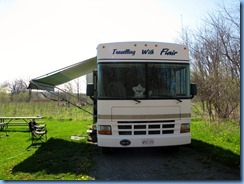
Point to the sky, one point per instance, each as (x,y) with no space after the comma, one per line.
(40,36)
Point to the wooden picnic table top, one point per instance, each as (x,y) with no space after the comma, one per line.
(9,119)
(21,117)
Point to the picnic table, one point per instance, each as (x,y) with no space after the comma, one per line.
(37,131)
(15,121)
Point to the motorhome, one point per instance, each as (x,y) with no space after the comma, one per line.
(142,95)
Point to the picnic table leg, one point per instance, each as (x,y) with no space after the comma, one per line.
(3,127)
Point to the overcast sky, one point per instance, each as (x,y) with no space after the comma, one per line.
(40,36)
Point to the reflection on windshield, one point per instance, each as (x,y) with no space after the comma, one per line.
(143,80)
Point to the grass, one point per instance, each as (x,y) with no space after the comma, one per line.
(61,158)
(225,135)
(218,141)
(46,109)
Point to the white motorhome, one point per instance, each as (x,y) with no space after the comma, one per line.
(142,94)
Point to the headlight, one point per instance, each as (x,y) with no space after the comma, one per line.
(104,130)
(185,128)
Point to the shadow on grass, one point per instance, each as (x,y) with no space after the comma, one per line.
(210,152)
(58,156)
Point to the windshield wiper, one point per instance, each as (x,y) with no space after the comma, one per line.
(178,99)
(138,101)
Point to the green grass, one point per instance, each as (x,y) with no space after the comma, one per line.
(217,141)
(59,158)
(46,109)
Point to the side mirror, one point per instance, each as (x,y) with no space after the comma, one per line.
(193,90)
(90,90)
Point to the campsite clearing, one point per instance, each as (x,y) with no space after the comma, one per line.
(63,158)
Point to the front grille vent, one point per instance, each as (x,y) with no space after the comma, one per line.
(146,127)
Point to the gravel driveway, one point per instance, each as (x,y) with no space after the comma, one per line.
(161,164)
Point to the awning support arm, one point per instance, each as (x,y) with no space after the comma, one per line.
(63,98)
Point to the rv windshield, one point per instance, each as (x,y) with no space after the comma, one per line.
(143,81)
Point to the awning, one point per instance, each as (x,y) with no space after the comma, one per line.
(61,76)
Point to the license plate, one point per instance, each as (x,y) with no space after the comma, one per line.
(147,142)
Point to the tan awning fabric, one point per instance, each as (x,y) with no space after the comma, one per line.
(49,81)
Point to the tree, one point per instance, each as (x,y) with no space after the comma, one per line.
(18,90)
(215,55)
(4,94)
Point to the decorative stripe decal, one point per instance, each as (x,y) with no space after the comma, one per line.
(154,116)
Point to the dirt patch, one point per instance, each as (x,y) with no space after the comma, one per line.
(160,164)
